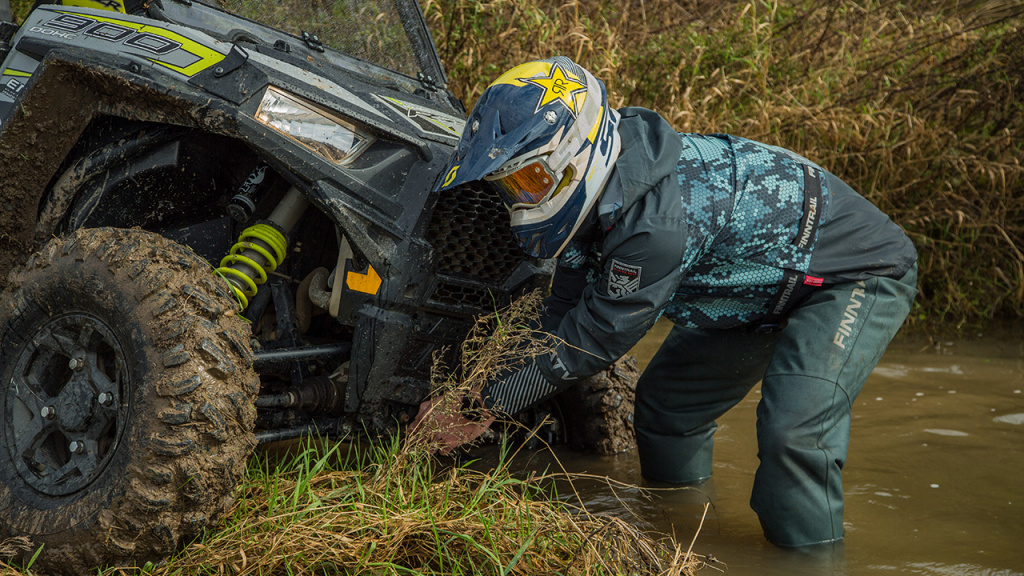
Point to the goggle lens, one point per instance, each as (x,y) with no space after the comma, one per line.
(529,185)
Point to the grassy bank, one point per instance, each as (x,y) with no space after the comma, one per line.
(333,509)
(393,508)
(920,105)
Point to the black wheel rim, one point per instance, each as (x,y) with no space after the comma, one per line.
(66,404)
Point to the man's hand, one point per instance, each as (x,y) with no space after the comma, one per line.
(451,420)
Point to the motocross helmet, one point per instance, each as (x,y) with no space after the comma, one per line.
(543,136)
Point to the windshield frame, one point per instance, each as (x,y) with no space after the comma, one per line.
(430,71)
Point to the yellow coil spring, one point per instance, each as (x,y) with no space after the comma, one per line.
(241,265)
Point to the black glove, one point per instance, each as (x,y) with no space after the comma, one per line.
(516,390)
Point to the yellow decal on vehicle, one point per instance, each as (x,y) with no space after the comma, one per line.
(19,73)
(426,119)
(450,176)
(367,282)
(205,55)
(112,5)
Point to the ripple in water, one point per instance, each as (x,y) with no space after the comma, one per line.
(942,432)
(1016,419)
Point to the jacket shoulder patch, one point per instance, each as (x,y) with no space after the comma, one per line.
(623,279)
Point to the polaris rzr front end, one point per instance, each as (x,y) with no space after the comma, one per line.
(197,125)
(220,233)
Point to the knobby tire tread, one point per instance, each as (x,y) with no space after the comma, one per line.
(196,403)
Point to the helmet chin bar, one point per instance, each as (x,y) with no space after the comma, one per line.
(539,227)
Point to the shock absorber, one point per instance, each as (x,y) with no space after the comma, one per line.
(261,248)
(243,204)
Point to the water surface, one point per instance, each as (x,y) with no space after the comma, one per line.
(934,480)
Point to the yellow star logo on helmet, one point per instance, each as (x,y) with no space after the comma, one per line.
(558,86)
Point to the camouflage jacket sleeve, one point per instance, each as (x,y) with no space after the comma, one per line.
(618,301)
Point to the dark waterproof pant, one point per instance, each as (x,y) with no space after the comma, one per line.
(811,372)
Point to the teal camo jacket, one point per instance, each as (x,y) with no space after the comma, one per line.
(712,231)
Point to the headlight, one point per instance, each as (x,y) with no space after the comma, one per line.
(333,138)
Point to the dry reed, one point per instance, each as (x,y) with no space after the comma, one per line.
(918,105)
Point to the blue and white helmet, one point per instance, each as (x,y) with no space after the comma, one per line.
(543,135)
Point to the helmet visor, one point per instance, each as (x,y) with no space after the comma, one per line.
(527,186)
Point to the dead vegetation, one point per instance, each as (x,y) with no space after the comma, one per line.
(917,104)
(395,516)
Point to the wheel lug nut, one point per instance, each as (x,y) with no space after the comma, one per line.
(76,363)
(48,412)
(76,447)
(105,398)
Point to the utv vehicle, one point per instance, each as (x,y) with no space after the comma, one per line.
(217,233)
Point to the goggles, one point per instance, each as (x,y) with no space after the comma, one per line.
(528,185)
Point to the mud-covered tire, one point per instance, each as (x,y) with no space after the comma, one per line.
(598,412)
(123,342)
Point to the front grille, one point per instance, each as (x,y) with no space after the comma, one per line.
(470,234)
(474,255)
(454,295)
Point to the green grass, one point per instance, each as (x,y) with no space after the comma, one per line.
(341,509)
(392,508)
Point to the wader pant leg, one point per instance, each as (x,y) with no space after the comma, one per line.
(828,348)
(694,378)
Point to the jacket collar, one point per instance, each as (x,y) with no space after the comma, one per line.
(650,153)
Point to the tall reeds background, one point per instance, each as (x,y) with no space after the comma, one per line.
(917,104)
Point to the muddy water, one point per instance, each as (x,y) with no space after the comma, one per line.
(934,481)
